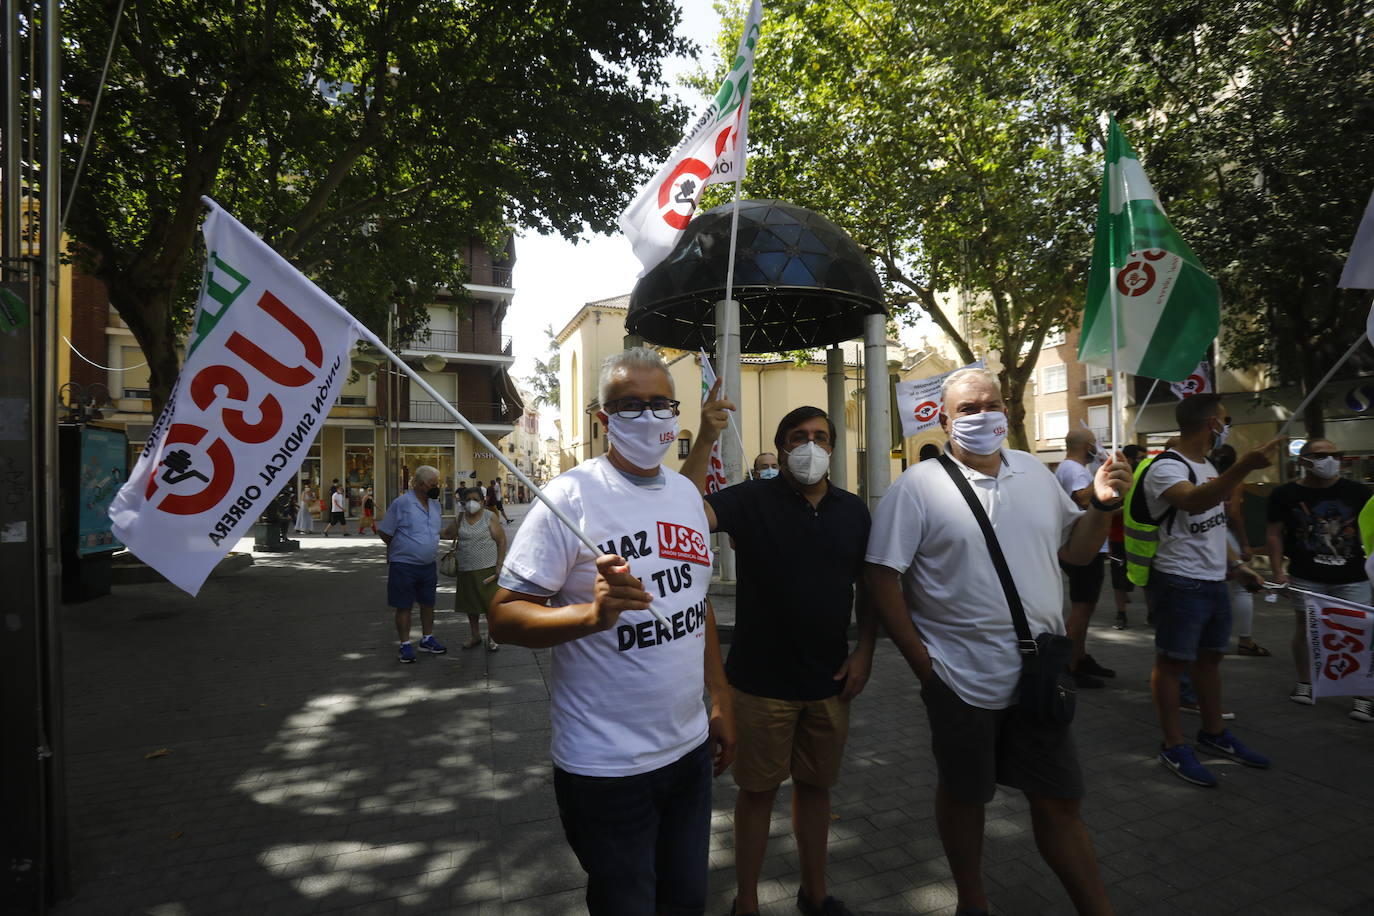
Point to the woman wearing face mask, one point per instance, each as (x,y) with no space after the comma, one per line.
(480,549)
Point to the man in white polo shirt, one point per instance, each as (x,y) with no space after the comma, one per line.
(634,747)
(933,580)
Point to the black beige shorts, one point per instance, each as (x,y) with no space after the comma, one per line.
(1085,582)
(978,749)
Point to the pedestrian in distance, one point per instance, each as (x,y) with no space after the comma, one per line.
(1180,497)
(765,465)
(1313,522)
(479,552)
(338,511)
(305,523)
(933,577)
(799,542)
(369,519)
(633,745)
(410,529)
(1075,475)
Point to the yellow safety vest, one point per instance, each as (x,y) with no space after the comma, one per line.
(1142,531)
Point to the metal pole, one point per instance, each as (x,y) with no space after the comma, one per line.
(46,421)
(9,223)
(727,368)
(878,424)
(1322,384)
(834,405)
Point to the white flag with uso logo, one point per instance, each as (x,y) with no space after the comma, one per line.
(1340,640)
(712,151)
(919,400)
(267,355)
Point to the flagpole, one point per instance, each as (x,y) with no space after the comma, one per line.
(1141,409)
(732,323)
(1320,385)
(487,444)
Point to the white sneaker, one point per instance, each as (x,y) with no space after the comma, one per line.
(492,645)
(1302,694)
(1363,710)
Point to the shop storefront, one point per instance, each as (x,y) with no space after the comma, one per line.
(359,466)
(436,456)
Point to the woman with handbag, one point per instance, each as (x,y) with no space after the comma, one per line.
(479,549)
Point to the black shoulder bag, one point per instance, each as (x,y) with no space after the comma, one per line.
(1046,690)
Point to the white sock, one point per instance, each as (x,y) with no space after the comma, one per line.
(406,643)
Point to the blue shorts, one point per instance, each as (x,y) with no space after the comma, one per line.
(1190,614)
(643,840)
(408,584)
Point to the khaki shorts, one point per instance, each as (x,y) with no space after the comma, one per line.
(777,738)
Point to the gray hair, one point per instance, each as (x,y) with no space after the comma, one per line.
(428,473)
(959,376)
(633,358)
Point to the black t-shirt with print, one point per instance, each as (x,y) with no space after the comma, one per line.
(1321,532)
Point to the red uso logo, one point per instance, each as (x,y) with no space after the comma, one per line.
(1192,385)
(1343,647)
(666,436)
(685,171)
(226,383)
(1138,277)
(926,411)
(679,542)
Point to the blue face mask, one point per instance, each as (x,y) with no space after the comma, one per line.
(768,473)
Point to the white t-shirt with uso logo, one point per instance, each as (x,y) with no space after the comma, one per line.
(1193,545)
(629,699)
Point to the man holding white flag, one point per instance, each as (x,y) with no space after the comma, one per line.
(712,151)
(267,354)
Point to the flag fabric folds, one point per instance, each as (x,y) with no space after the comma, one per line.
(1167,307)
(1359,267)
(712,151)
(267,355)
(1199,381)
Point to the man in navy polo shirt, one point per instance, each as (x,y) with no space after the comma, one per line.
(800,545)
(410,531)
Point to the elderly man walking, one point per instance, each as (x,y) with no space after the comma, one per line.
(935,582)
(410,531)
(633,744)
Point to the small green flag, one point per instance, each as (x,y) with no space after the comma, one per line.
(1167,307)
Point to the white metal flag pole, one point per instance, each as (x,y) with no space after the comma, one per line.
(1143,404)
(491,448)
(1320,385)
(732,308)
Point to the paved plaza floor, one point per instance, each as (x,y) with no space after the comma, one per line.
(259,750)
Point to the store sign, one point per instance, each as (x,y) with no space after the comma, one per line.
(484,454)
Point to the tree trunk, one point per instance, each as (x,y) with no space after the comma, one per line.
(1014,380)
(147,310)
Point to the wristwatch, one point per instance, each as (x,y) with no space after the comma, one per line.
(1100,506)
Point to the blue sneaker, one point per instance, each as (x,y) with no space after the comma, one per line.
(430,644)
(1229,745)
(407,654)
(1183,762)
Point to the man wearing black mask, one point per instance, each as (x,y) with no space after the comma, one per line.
(410,531)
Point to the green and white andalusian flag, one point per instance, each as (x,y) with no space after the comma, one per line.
(1167,307)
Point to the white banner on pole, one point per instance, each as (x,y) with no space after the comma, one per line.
(715,472)
(267,355)
(919,403)
(1340,640)
(1359,266)
(1199,381)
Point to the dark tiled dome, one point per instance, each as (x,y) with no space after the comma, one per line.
(800,280)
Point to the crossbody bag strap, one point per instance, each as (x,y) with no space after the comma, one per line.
(1025,642)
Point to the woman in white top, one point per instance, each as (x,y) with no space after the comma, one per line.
(305,523)
(480,549)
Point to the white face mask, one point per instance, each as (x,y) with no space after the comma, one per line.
(1219,439)
(473,506)
(808,463)
(979,433)
(768,473)
(1326,467)
(644,440)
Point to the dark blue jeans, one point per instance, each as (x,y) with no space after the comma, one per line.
(642,840)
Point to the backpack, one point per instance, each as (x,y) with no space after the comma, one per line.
(1142,531)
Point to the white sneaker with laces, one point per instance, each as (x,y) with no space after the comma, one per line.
(1302,694)
(1363,710)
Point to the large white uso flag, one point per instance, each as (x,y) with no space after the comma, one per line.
(267,354)
(713,150)
(1340,640)
(919,401)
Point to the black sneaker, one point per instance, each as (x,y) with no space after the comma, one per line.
(1088,665)
(1084,680)
(1121,623)
(828,907)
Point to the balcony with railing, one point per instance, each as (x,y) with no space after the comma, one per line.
(1096,386)
(464,341)
(501,277)
(480,412)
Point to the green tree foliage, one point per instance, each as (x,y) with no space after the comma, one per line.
(545,378)
(366,141)
(928,130)
(1256,123)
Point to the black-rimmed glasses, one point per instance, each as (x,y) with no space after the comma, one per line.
(632,408)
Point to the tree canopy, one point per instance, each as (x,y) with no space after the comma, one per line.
(366,141)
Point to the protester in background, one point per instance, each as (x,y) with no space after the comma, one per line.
(632,741)
(305,523)
(1313,521)
(765,466)
(496,499)
(1116,549)
(410,531)
(930,574)
(1075,475)
(1187,582)
(480,550)
(369,519)
(800,546)
(1242,596)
